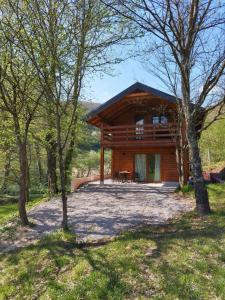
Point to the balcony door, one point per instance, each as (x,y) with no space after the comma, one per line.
(147,167)
(139,121)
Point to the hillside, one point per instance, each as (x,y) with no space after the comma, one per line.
(212,143)
(89,106)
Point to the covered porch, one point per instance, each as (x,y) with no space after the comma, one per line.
(141,165)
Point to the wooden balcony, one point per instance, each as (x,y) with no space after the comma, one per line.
(159,135)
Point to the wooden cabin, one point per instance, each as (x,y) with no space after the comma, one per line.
(139,125)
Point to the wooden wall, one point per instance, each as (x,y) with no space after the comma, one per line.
(123,159)
(128,117)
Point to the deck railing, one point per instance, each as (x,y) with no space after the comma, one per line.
(140,134)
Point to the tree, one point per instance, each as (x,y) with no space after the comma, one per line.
(19,98)
(65,40)
(182,29)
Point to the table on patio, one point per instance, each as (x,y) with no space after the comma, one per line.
(124,175)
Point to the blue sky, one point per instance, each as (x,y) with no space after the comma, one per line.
(124,74)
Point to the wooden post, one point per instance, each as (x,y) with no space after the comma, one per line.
(102,160)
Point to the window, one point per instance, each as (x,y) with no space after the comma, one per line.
(159,120)
(164,120)
(155,120)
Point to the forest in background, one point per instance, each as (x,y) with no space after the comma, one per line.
(85,160)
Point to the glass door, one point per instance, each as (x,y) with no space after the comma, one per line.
(153,170)
(140,167)
(139,121)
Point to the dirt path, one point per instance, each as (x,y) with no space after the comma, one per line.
(98,212)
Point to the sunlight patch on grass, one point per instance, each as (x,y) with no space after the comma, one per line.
(182,260)
(9,210)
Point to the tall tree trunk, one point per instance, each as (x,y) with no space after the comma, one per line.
(201,194)
(88,172)
(62,174)
(28,150)
(63,189)
(23,183)
(180,164)
(180,150)
(69,157)
(7,168)
(51,164)
(39,164)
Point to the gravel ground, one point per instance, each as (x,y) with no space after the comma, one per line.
(98,212)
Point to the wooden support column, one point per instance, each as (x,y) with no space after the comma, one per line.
(102,160)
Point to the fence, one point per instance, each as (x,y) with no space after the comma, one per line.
(77,182)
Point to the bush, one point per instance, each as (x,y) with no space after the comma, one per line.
(38,189)
(13,190)
(187,188)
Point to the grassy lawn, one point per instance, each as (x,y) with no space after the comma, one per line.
(184,260)
(9,206)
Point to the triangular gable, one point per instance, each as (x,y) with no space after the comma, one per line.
(136,87)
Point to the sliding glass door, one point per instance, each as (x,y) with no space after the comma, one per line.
(140,167)
(154,167)
(147,167)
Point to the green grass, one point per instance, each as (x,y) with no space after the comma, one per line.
(183,260)
(186,189)
(9,206)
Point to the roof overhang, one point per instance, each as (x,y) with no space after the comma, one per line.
(136,93)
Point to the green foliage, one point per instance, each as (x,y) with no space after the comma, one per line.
(182,260)
(9,206)
(87,163)
(212,143)
(187,188)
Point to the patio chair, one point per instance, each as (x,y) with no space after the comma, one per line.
(116,177)
(136,177)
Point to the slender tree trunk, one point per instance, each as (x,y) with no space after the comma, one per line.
(179,150)
(51,165)
(28,171)
(201,194)
(23,183)
(39,164)
(88,172)
(62,174)
(7,168)
(180,165)
(63,190)
(69,158)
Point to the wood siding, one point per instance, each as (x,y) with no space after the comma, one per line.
(127,117)
(123,159)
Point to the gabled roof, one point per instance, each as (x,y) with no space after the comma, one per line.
(134,87)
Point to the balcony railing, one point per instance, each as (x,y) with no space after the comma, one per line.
(154,134)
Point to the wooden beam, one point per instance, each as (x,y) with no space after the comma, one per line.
(139,94)
(102,160)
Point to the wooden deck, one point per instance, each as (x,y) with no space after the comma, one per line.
(138,136)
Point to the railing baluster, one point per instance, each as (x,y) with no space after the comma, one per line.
(130,133)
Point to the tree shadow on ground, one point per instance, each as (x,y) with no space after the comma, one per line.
(64,253)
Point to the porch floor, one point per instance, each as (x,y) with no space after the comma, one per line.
(169,186)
